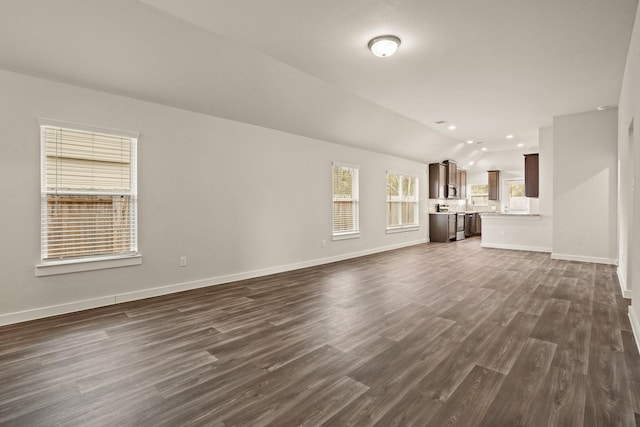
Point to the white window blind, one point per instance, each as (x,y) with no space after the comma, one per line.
(402,201)
(345,199)
(89,194)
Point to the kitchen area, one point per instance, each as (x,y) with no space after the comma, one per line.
(459,209)
(450,216)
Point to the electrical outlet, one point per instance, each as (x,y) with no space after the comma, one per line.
(183,261)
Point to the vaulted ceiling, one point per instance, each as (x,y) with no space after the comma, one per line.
(489,67)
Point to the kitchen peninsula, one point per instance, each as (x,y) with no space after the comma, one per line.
(521,231)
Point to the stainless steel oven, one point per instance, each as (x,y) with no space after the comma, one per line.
(460,225)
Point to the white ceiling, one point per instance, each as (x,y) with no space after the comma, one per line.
(491,67)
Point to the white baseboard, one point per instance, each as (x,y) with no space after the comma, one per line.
(635,325)
(42,312)
(626,293)
(515,247)
(596,260)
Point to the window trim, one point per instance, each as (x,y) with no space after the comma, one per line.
(96,262)
(403,227)
(351,234)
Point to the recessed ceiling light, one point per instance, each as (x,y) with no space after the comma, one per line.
(509,136)
(484,148)
(471,162)
(452,127)
(521,145)
(479,142)
(470,141)
(383,46)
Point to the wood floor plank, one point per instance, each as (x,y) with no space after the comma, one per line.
(321,404)
(550,323)
(503,351)
(471,400)
(605,329)
(608,400)
(560,401)
(573,345)
(438,334)
(516,395)
(441,382)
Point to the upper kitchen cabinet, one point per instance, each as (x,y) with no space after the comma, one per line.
(446,181)
(462,183)
(437,181)
(494,185)
(452,179)
(531,176)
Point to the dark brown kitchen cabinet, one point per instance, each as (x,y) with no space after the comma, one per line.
(531,175)
(442,227)
(462,183)
(437,181)
(452,179)
(494,185)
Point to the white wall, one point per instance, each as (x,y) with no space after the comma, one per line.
(212,189)
(585,174)
(521,232)
(629,161)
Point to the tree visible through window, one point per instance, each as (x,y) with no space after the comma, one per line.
(345,199)
(480,194)
(402,201)
(88,194)
(516,200)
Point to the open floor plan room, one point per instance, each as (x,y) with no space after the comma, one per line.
(433,334)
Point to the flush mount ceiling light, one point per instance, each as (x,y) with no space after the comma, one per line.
(383,46)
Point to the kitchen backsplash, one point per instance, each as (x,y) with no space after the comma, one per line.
(463,206)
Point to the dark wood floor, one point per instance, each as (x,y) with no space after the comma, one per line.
(432,335)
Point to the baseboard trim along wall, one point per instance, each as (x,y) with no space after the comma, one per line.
(626,293)
(635,325)
(596,260)
(42,312)
(515,247)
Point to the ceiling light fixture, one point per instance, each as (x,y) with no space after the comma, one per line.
(509,136)
(521,145)
(484,148)
(471,162)
(383,46)
(470,141)
(452,127)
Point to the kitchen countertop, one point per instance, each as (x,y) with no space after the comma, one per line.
(510,216)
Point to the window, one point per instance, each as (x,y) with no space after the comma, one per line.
(345,201)
(516,200)
(402,201)
(480,194)
(89,194)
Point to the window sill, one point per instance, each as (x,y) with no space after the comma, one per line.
(403,229)
(345,236)
(74,266)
